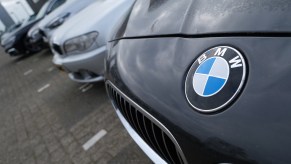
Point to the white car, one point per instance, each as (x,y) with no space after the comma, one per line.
(79,46)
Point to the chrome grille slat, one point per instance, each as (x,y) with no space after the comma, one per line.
(135,122)
(148,135)
(180,159)
(167,147)
(125,111)
(151,131)
(159,136)
(157,143)
(130,112)
(141,127)
(152,136)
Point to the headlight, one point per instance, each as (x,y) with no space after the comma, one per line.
(81,43)
(58,21)
(35,33)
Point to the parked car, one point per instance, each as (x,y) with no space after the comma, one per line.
(197,81)
(48,25)
(14,40)
(79,46)
(34,39)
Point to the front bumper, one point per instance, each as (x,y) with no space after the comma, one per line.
(14,50)
(86,67)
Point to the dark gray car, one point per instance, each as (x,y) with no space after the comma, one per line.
(205,81)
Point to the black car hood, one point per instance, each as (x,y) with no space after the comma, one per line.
(20,30)
(162,17)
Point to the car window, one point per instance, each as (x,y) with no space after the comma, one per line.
(56,5)
(42,11)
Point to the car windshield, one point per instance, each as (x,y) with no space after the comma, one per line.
(42,11)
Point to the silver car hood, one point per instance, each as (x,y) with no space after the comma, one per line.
(71,6)
(102,16)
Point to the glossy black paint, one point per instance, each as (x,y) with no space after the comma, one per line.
(152,72)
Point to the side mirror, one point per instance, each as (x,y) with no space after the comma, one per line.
(48,12)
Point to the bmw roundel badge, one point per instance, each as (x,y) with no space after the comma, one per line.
(215,79)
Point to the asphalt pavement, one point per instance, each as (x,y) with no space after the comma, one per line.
(47,118)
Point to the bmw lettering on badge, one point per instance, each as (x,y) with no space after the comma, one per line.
(215,79)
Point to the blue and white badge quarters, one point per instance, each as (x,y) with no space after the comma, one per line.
(211,76)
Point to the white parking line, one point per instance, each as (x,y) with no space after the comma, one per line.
(27,72)
(50,69)
(87,88)
(43,88)
(94,139)
(84,86)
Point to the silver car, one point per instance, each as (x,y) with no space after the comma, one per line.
(79,46)
(55,19)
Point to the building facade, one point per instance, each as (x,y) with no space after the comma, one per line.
(36,4)
(5,18)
